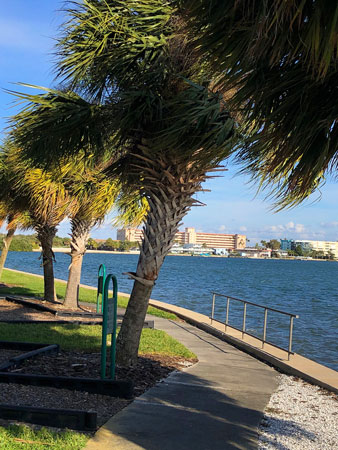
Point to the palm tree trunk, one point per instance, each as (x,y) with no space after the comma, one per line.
(163,220)
(46,235)
(7,242)
(80,236)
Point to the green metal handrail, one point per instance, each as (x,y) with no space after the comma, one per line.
(100,285)
(109,325)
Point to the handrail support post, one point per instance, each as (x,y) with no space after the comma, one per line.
(265,324)
(244,319)
(290,337)
(213,307)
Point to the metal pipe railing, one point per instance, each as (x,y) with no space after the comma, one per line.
(243,330)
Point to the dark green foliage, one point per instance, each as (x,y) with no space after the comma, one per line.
(279,62)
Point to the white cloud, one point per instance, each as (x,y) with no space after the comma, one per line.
(222,228)
(329,224)
(243,228)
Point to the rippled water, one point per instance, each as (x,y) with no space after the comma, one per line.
(306,288)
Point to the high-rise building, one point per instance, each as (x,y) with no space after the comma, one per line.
(191,236)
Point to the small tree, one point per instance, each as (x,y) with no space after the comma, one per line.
(92,244)
(109,244)
(299,250)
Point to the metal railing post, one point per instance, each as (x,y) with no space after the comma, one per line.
(213,307)
(227,314)
(265,323)
(290,337)
(244,317)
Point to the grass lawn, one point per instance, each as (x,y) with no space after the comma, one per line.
(17,437)
(88,338)
(31,285)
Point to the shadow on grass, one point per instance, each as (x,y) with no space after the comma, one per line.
(18,290)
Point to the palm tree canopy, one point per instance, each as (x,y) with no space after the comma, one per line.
(35,190)
(138,83)
(280,60)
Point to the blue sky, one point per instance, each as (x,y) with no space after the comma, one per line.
(27,32)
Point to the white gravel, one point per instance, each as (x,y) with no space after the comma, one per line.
(299,416)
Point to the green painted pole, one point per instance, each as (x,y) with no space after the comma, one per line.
(100,285)
(113,337)
(105,331)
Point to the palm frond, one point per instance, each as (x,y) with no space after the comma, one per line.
(56,124)
(106,42)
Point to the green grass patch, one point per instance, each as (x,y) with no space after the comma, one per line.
(31,285)
(21,437)
(88,338)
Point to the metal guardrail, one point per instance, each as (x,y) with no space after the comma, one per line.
(243,329)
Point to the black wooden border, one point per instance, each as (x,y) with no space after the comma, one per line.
(63,418)
(113,388)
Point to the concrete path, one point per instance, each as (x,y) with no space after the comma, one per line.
(215,404)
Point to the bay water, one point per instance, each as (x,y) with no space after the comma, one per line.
(306,288)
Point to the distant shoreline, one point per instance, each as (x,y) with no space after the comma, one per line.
(135,252)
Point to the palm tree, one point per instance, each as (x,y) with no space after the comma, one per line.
(148,99)
(47,202)
(13,210)
(15,220)
(94,195)
(278,60)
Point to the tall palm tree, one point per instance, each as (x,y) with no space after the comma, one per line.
(279,61)
(147,97)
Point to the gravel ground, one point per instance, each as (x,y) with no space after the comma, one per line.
(300,416)
(6,355)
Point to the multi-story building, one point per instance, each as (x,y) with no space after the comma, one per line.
(319,246)
(191,236)
(129,234)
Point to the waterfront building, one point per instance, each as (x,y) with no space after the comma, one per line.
(130,234)
(308,245)
(253,252)
(191,236)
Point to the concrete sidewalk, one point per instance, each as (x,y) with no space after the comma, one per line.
(215,404)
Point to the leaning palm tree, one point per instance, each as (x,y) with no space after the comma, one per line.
(47,203)
(19,220)
(147,97)
(278,60)
(13,209)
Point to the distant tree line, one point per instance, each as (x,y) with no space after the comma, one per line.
(28,243)
(112,245)
(21,243)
